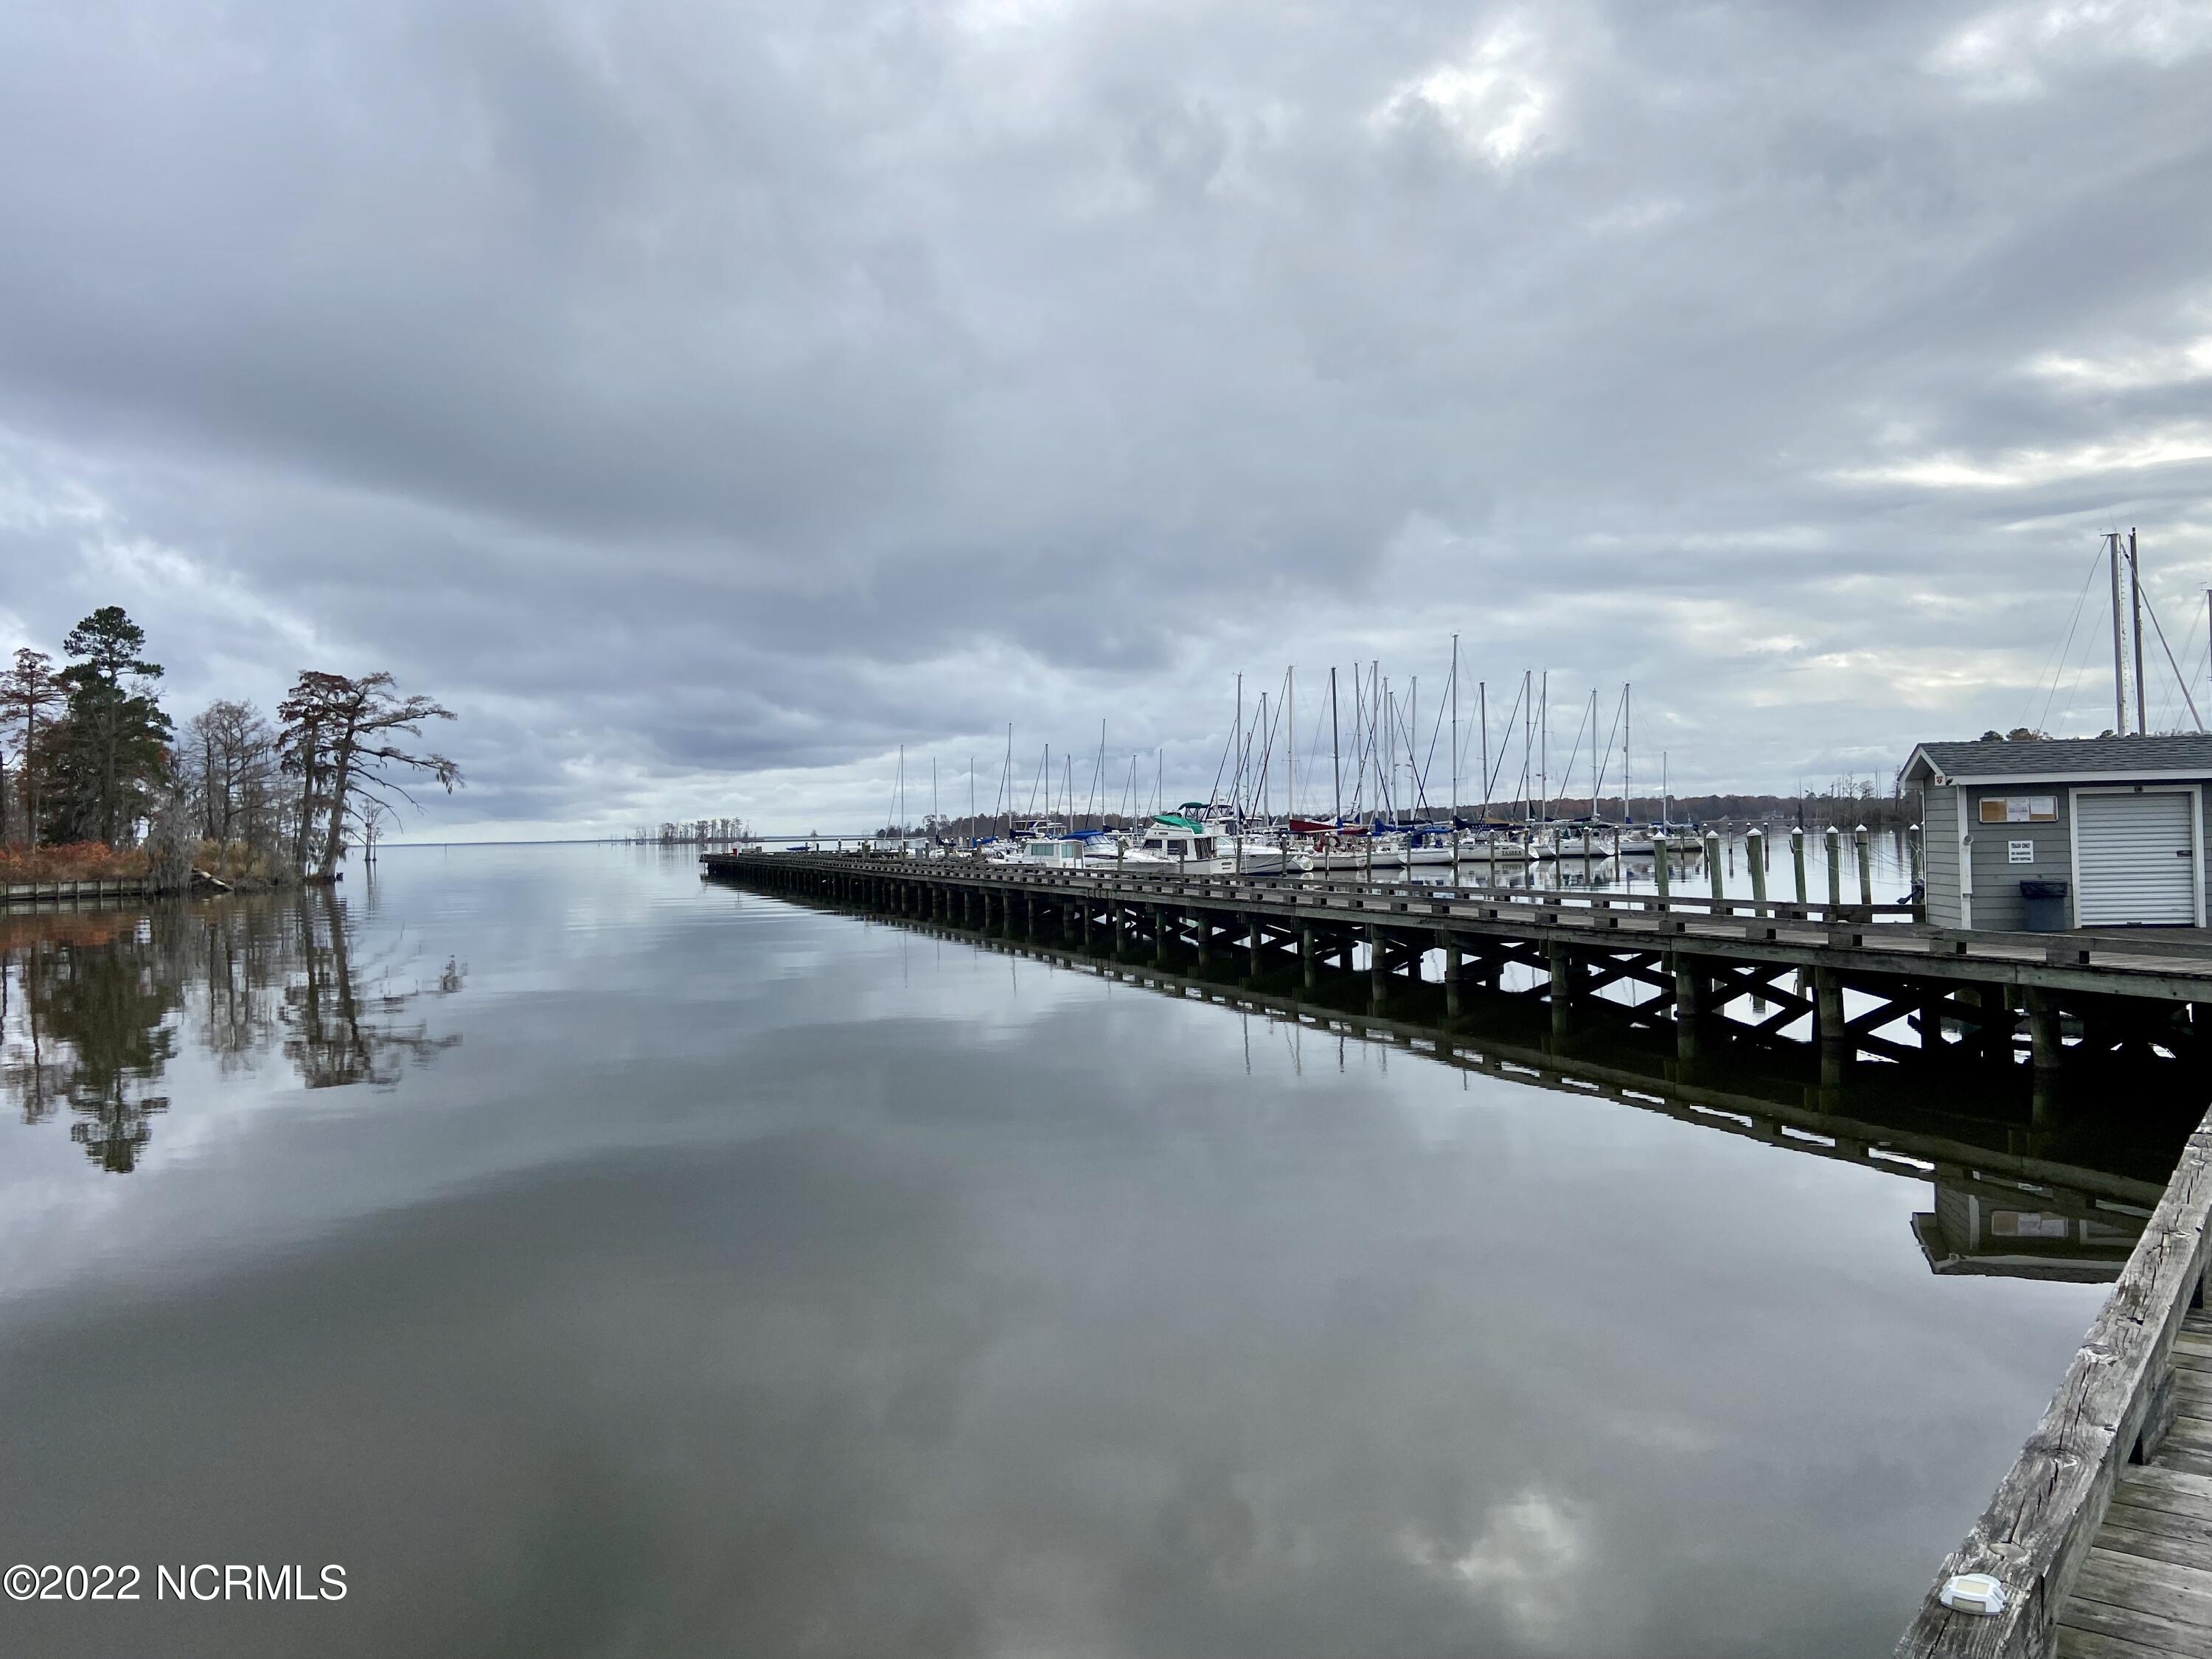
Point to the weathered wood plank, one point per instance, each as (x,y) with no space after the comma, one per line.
(2154,1543)
(2186,1497)
(2194,1432)
(2151,1630)
(2183,1594)
(2088,1645)
(2185,1461)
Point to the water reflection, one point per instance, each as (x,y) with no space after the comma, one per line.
(94,1004)
(2012,1197)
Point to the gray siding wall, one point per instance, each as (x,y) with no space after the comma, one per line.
(1996,878)
(1939,848)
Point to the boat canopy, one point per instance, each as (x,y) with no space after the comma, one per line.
(1178,821)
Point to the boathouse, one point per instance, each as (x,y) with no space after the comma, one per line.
(2048,833)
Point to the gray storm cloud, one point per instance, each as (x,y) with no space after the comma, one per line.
(706,398)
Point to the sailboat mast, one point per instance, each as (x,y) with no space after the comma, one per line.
(1544,744)
(1335,755)
(1625,791)
(1420,794)
(2119,653)
(1482,714)
(1455,735)
(2134,621)
(1237,783)
(1528,745)
(1267,756)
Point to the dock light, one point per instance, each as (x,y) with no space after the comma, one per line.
(1972,1592)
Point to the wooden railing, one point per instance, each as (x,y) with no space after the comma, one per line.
(2114,1406)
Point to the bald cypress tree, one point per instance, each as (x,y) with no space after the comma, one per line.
(30,697)
(340,739)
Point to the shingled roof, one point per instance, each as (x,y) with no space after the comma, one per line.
(2185,754)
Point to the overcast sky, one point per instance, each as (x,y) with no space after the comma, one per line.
(704,397)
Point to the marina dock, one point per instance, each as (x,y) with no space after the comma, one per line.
(1704,972)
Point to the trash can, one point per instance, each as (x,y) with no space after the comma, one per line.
(2043,905)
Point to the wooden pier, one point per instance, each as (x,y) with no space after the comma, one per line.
(2101,1534)
(1845,983)
(74,892)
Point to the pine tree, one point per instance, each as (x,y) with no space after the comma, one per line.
(113,749)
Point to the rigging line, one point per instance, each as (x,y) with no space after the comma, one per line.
(1618,710)
(1561,793)
(1224,766)
(1490,783)
(1429,762)
(2158,629)
(2196,657)
(2081,600)
(2058,666)
(2072,686)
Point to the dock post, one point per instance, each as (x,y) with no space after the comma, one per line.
(1912,854)
(1689,1006)
(1797,859)
(1159,936)
(1377,980)
(1866,867)
(1450,943)
(1306,953)
(1252,948)
(1660,879)
(1754,858)
(1832,843)
(1561,992)
(1202,925)
(1997,1026)
(1828,1026)
(2044,1032)
(1713,862)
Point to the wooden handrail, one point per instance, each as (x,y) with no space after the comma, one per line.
(2115,1405)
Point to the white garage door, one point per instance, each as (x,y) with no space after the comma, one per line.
(2135,858)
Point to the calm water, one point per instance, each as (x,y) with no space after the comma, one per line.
(591,1263)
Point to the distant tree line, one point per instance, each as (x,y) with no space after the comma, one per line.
(691,832)
(92,764)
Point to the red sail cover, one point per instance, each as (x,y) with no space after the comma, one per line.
(1316,827)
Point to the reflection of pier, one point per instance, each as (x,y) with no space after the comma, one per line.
(1981,1169)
